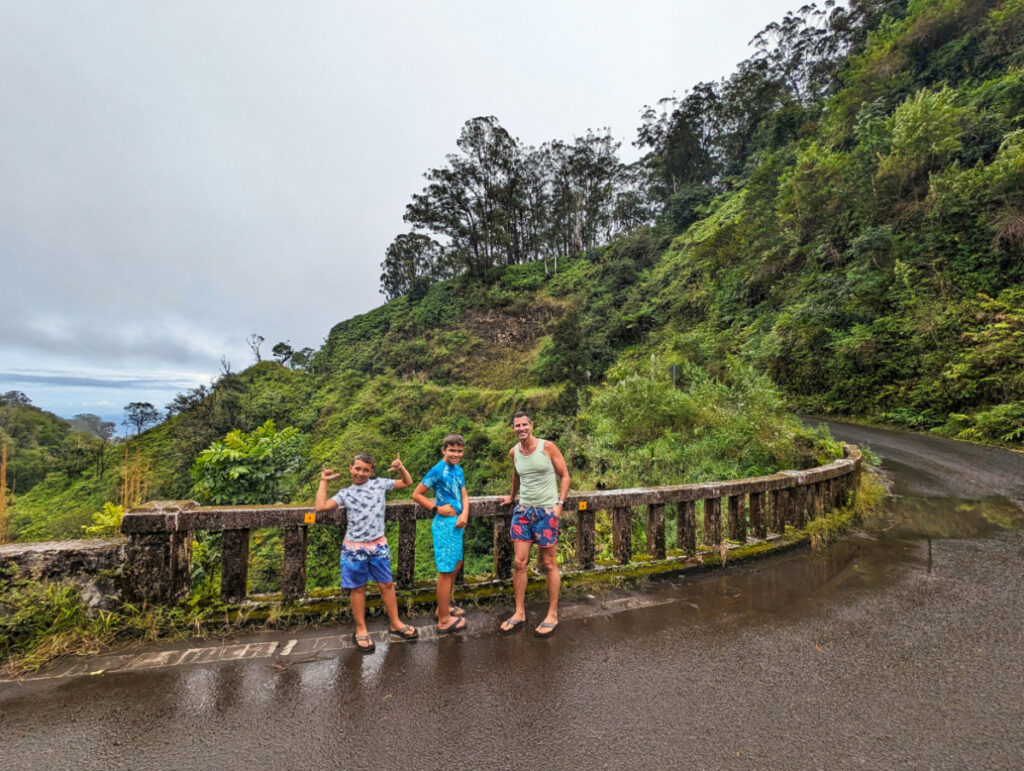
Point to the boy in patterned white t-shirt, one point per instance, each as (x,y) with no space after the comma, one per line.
(364,552)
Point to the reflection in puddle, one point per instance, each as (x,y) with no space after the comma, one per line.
(946,517)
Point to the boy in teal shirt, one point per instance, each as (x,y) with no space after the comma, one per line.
(451,513)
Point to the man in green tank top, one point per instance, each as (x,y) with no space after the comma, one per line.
(541,479)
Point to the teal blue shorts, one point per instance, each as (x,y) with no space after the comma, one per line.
(447,543)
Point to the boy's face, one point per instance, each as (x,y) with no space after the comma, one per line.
(452,453)
(361,472)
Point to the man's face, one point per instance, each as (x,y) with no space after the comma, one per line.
(523,428)
(453,454)
(361,472)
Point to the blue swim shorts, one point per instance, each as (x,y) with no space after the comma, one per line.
(447,543)
(535,524)
(362,561)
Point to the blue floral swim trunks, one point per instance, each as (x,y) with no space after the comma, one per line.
(365,560)
(535,524)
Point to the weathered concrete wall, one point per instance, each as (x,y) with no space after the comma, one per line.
(94,566)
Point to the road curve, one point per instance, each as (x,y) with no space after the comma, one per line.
(890,650)
(925,465)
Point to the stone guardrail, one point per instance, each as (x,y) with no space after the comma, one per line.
(159,547)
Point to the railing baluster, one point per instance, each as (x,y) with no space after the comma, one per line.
(778,506)
(656,530)
(686,526)
(585,526)
(712,521)
(293,586)
(503,546)
(757,523)
(737,518)
(234,571)
(798,506)
(406,551)
(622,534)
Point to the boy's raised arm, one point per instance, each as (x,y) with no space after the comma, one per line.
(406,480)
(323,503)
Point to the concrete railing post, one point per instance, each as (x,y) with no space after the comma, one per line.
(656,530)
(293,584)
(503,546)
(585,526)
(778,510)
(686,526)
(737,518)
(622,534)
(712,521)
(406,551)
(234,571)
(158,555)
(757,523)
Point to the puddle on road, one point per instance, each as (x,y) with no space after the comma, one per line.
(947,517)
(899,537)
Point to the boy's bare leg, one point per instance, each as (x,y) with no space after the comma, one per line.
(520,561)
(387,594)
(549,559)
(445,583)
(455,578)
(357,599)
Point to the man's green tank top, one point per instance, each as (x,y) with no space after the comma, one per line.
(538,485)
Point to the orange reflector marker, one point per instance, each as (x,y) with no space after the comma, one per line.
(310,518)
(583,505)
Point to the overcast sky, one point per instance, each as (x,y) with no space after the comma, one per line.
(175,176)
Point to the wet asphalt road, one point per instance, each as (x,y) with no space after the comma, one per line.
(890,650)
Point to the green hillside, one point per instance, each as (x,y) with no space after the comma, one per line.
(836,228)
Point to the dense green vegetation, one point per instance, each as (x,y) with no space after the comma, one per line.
(838,227)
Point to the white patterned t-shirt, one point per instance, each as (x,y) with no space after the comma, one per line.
(364,505)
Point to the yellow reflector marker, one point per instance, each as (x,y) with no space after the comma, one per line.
(583,505)
(310,518)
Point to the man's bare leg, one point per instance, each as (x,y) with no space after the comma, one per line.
(520,561)
(549,558)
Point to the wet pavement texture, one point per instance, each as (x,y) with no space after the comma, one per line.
(898,647)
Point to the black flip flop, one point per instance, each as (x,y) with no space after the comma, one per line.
(363,648)
(407,632)
(458,626)
(516,626)
(453,610)
(546,625)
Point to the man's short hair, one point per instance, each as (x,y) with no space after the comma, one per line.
(365,457)
(521,414)
(453,440)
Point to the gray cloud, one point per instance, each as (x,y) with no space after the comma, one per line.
(17,378)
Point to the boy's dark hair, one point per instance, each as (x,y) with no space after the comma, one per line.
(521,414)
(365,457)
(453,440)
